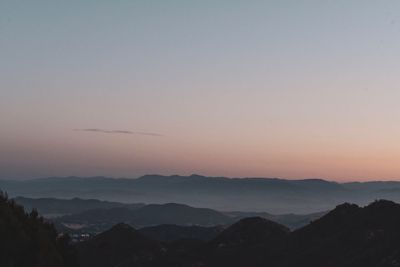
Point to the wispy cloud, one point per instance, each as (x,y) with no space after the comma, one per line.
(96,130)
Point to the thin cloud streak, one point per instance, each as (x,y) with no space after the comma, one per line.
(95,130)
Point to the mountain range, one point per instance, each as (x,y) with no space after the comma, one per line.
(347,236)
(272,195)
(93,216)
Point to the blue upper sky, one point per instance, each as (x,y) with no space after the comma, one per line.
(240,88)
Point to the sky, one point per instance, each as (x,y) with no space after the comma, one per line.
(289,89)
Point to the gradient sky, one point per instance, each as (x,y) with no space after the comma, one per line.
(291,89)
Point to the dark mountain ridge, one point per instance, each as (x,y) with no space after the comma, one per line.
(273,195)
(148,215)
(350,236)
(98,220)
(50,207)
(93,216)
(347,236)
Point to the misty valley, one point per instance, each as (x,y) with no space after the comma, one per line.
(40,225)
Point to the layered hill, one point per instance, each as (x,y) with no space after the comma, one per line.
(100,219)
(148,215)
(276,196)
(54,207)
(347,236)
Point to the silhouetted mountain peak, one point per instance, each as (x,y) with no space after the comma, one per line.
(194,175)
(368,236)
(251,231)
(347,212)
(119,233)
(382,204)
(345,208)
(172,178)
(335,220)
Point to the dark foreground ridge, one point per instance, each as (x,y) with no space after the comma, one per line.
(347,236)
(120,246)
(26,240)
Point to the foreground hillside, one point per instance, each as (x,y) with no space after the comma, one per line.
(348,236)
(26,240)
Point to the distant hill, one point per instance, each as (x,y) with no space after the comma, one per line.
(276,196)
(173,213)
(98,220)
(148,215)
(51,207)
(26,240)
(93,216)
(292,221)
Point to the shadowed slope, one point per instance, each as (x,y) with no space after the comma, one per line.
(122,245)
(26,240)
